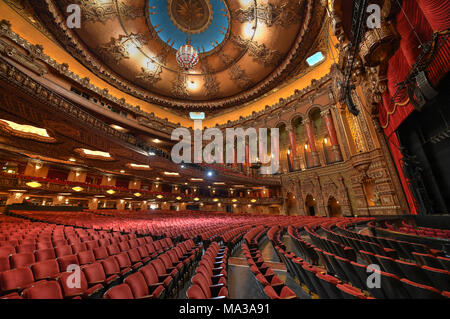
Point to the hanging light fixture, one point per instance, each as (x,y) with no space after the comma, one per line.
(187,55)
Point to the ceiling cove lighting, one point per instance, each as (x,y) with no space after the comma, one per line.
(219,183)
(118,128)
(96,153)
(314,59)
(27,131)
(193,179)
(139,166)
(33,184)
(171,174)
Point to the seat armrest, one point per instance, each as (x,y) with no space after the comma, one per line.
(215,289)
(93,290)
(146,297)
(163,277)
(152,287)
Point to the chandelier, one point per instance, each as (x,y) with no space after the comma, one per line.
(187,56)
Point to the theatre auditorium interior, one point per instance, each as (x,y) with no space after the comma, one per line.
(224,149)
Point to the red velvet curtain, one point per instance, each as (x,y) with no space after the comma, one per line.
(426,17)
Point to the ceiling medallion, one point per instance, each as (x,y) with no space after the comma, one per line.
(190,16)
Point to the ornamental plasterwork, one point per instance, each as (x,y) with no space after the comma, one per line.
(283,15)
(238,74)
(179,86)
(259,52)
(152,74)
(101,11)
(211,85)
(117,48)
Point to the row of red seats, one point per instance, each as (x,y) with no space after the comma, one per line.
(100,265)
(350,271)
(210,280)
(314,278)
(419,231)
(273,286)
(403,249)
(161,277)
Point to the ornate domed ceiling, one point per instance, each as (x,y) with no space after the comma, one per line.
(247,47)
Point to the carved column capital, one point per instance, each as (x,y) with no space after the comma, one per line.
(326,112)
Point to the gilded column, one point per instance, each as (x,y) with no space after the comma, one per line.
(294,153)
(326,115)
(312,142)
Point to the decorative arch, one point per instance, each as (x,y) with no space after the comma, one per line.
(312,108)
(295,116)
(311,205)
(280,123)
(334,208)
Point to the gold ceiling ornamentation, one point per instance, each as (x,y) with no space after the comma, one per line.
(283,15)
(192,16)
(179,86)
(259,52)
(118,49)
(84,44)
(101,11)
(211,85)
(238,74)
(152,74)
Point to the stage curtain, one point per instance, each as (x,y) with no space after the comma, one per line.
(436,13)
(426,17)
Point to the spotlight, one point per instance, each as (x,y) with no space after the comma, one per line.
(182,166)
(210,173)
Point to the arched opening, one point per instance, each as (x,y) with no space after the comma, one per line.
(284,148)
(369,191)
(290,204)
(310,204)
(334,209)
(300,137)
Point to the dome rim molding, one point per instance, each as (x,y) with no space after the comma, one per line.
(313,17)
